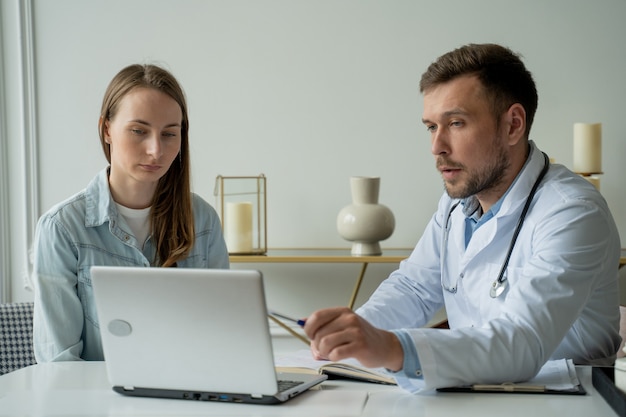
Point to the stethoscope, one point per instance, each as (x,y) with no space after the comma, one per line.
(501,283)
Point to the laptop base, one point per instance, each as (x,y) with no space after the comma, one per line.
(208,396)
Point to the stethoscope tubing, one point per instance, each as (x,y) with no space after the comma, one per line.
(499,285)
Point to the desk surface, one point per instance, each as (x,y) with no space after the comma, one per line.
(81,389)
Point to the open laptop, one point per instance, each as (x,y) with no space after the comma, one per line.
(197,334)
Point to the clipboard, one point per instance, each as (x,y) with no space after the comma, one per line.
(511,388)
(555,377)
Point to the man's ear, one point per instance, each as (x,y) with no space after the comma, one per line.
(516,123)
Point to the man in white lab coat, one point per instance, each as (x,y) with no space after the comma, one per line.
(523,254)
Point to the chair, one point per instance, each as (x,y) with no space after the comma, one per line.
(16,336)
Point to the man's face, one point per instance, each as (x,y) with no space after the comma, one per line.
(470,152)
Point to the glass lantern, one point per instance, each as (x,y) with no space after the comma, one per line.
(242,207)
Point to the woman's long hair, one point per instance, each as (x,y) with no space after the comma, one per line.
(171,216)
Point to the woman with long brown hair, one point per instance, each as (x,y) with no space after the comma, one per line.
(138,211)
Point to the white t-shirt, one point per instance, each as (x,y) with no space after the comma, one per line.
(139,222)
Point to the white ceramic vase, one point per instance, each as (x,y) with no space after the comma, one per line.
(365,222)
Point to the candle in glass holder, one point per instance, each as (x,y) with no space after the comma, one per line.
(238,227)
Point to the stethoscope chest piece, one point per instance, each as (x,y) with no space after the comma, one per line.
(497,288)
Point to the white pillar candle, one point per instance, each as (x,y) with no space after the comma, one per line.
(594,180)
(588,148)
(238,227)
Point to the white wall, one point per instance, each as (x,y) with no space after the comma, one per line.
(312,92)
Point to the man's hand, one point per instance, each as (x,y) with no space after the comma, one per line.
(339,333)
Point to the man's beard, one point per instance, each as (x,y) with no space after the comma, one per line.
(485,178)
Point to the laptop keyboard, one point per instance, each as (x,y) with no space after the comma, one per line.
(284,385)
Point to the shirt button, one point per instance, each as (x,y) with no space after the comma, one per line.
(461,275)
(418,373)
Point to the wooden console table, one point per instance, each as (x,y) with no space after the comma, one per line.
(326,256)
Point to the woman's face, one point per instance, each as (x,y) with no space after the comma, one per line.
(145,138)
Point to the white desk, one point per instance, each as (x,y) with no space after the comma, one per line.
(81,389)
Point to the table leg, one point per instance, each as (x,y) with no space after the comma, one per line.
(357,286)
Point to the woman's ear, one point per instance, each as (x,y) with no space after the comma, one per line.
(104,122)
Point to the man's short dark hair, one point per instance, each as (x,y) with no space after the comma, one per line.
(501,72)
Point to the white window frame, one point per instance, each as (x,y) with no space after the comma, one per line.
(25,131)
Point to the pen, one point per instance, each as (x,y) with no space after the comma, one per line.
(299,322)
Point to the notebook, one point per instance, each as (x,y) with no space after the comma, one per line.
(196,334)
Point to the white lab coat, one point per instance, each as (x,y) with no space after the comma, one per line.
(562,300)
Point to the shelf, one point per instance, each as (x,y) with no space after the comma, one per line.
(322,255)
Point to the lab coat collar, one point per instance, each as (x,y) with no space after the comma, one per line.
(517,193)
(471,203)
(512,203)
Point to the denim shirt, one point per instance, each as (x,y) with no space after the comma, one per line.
(87,230)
